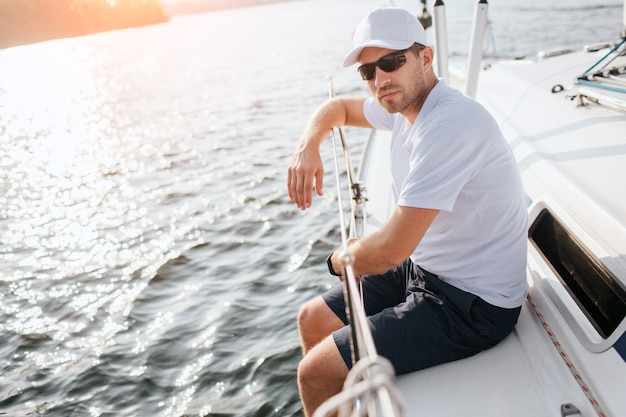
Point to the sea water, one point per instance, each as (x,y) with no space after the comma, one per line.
(151,263)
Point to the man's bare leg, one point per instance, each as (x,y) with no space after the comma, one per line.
(322,371)
(316,321)
(321,375)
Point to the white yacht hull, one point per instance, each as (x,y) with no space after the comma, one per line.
(573,164)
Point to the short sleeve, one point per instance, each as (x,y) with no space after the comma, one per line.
(377,116)
(441,164)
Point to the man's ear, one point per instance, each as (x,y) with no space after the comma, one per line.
(427,56)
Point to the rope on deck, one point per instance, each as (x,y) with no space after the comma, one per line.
(570,365)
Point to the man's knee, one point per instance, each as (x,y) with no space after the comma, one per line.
(316,321)
(321,373)
(309,314)
(309,370)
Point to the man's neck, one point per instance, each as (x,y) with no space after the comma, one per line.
(412,112)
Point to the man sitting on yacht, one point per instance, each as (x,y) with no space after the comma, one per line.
(445,277)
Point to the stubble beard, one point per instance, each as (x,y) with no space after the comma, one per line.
(406,99)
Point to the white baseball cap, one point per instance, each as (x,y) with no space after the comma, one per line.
(389,28)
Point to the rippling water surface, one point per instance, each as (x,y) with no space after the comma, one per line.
(150,262)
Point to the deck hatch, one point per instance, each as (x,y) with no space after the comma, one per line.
(594,288)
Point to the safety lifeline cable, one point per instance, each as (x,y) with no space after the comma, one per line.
(570,365)
(369,384)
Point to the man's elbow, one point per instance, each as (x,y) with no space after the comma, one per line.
(392,259)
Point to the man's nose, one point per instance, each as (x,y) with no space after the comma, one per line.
(381,78)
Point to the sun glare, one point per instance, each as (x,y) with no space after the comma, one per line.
(50,94)
(52,150)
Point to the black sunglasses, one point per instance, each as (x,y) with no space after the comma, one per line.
(388,63)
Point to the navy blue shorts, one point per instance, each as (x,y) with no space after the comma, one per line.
(418,321)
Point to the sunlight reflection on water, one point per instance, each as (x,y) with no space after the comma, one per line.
(150,263)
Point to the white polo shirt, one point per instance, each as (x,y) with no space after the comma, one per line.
(455,159)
